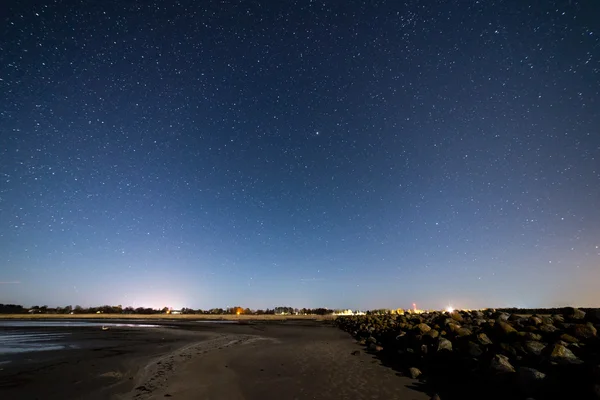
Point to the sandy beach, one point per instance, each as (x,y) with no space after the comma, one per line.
(200,360)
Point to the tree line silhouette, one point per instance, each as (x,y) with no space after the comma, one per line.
(106,309)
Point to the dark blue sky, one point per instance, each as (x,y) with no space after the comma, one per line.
(330,153)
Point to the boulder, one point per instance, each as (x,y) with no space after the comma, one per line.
(483,339)
(534,347)
(455,315)
(558,318)
(533,336)
(501,365)
(501,316)
(422,328)
(560,354)
(548,328)
(432,333)
(535,320)
(414,372)
(514,318)
(505,328)
(473,349)
(508,349)
(453,327)
(374,347)
(529,379)
(574,313)
(463,332)
(565,337)
(444,344)
(547,320)
(584,331)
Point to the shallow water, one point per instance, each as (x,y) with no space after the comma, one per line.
(23,340)
(65,323)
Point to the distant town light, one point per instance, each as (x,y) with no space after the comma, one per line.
(449,309)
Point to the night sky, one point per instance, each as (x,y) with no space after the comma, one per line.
(309,153)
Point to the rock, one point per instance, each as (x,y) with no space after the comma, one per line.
(514,318)
(424,349)
(505,328)
(473,349)
(558,318)
(423,328)
(535,320)
(432,333)
(584,331)
(574,313)
(460,332)
(547,328)
(501,365)
(508,349)
(371,339)
(374,347)
(533,336)
(529,375)
(547,320)
(501,316)
(414,372)
(529,379)
(444,344)
(453,326)
(455,315)
(565,337)
(484,339)
(534,347)
(356,353)
(559,353)
(435,397)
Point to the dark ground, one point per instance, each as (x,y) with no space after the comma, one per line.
(195,360)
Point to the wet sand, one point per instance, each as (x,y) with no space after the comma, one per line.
(290,360)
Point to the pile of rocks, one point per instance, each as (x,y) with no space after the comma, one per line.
(505,355)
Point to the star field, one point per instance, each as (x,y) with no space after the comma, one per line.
(339,154)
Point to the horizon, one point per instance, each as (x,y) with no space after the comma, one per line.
(352,154)
(448,308)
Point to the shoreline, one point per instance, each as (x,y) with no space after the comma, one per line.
(270,360)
